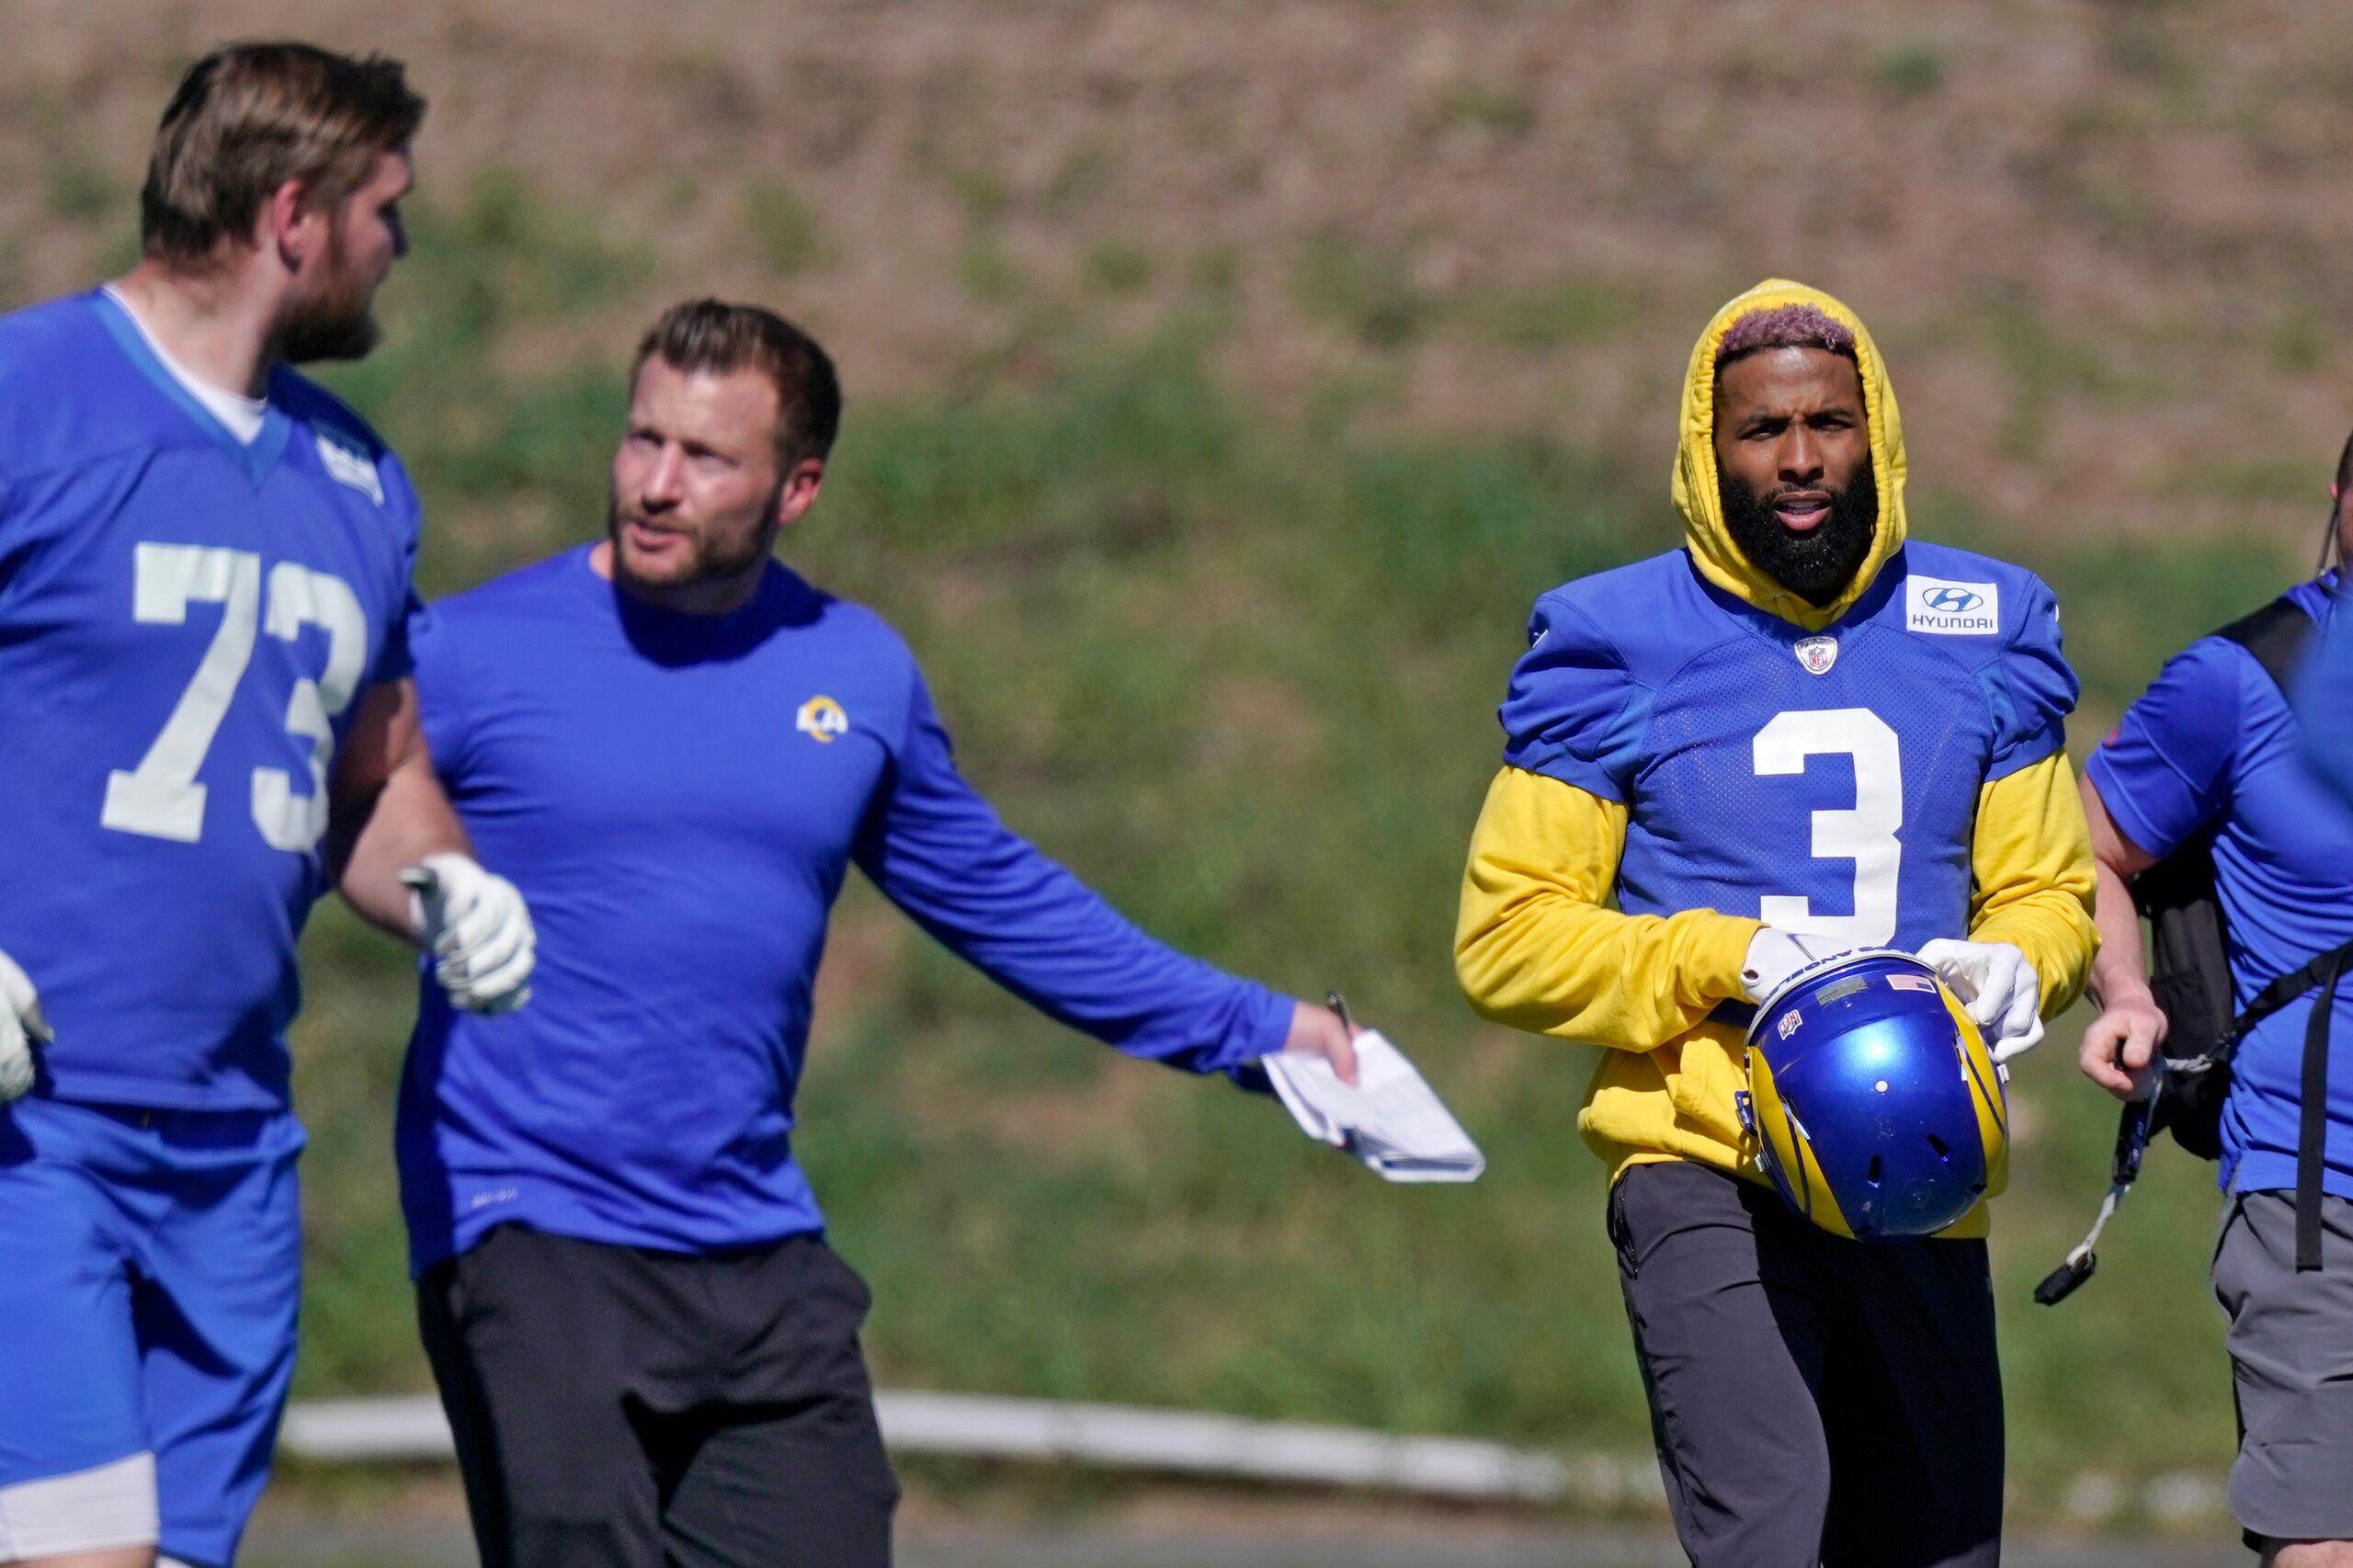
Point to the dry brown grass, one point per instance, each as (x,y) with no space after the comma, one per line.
(2153,191)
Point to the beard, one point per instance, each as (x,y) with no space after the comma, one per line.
(706,558)
(335,323)
(1817,566)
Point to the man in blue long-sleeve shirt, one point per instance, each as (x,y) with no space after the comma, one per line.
(677,748)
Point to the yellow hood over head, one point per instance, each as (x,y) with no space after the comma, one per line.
(1700,502)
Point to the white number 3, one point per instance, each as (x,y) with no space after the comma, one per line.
(1865,834)
(161,798)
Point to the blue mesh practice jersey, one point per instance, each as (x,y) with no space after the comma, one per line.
(1822,782)
(186,624)
(680,797)
(2211,745)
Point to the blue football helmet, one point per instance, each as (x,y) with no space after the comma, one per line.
(1876,1108)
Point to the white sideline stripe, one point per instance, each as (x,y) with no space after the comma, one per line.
(1116,1436)
(1190,1442)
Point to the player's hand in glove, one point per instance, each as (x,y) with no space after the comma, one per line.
(2000,989)
(1774,955)
(21,1027)
(478,930)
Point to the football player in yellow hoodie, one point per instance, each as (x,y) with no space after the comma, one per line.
(1798,734)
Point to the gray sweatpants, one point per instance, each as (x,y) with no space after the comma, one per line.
(1815,1399)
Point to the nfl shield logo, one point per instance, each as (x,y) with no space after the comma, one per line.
(1817,654)
(1789,1024)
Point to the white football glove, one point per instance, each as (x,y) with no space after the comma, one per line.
(1774,955)
(2000,989)
(21,1027)
(478,930)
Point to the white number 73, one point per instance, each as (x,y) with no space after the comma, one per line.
(160,797)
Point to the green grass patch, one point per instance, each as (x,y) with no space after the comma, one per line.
(1368,293)
(785,231)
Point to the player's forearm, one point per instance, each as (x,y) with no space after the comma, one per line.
(1576,971)
(2031,861)
(404,820)
(1535,949)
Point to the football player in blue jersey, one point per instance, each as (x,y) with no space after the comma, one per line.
(1798,733)
(678,748)
(2207,762)
(205,701)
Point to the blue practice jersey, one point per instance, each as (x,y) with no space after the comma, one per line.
(680,797)
(2211,745)
(186,624)
(1822,782)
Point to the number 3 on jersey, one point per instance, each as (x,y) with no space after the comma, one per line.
(160,797)
(1865,834)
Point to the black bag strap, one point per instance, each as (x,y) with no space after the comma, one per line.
(2275,634)
(2312,1130)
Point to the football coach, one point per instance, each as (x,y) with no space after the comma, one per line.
(678,748)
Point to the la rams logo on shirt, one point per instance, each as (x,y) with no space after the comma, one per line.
(1945,608)
(822,720)
(346,463)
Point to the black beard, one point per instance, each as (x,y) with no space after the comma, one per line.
(1815,566)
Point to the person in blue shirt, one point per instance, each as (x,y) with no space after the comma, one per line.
(2212,749)
(677,747)
(2324,705)
(205,705)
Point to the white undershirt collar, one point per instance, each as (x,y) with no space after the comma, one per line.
(240,416)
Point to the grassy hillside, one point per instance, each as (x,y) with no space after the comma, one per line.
(1220,395)
(1239,670)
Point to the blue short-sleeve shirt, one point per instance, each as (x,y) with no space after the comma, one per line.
(2212,746)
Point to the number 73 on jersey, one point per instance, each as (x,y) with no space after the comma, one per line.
(160,797)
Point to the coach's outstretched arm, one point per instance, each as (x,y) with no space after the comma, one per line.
(399,856)
(937,850)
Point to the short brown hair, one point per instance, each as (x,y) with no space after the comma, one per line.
(249,117)
(713,335)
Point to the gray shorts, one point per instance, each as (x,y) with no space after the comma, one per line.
(2291,1367)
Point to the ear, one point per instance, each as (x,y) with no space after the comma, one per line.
(799,491)
(291,225)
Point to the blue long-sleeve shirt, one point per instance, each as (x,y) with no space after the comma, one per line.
(679,798)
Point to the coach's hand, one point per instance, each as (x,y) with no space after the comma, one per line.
(2121,1043)
(21,1027)
(1318,1031)
(478,930)
(2000,989)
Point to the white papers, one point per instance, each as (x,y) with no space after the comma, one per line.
(1390,1120)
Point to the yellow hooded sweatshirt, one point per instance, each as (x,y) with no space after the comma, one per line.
(1537,947)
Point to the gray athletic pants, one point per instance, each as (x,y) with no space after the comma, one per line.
(1815,1399)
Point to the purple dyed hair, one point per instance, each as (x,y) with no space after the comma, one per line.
(1785,326)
